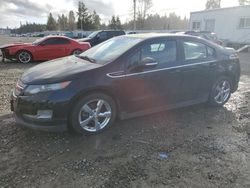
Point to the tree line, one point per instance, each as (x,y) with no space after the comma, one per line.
(84,19)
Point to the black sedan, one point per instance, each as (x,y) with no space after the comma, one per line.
(124,77)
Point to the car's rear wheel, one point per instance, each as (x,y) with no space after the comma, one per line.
(24,57)
(221,91)
(76,52)
(93,114)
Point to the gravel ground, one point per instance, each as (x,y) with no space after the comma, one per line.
(203,147)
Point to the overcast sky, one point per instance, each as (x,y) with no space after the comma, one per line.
(12,12)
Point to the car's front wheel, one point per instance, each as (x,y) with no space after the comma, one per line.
(93,114)
(24,57)
(221,91)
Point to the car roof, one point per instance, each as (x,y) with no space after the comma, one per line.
(109,31)
(159,35)
(57,36)
(146,36)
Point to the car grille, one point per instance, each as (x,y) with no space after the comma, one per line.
(19,88)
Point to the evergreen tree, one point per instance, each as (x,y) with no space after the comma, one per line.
(96,20)
(51,23)
(118,23)
(112,23)
(72,25)
(62,22)
(115,23)
(84,18)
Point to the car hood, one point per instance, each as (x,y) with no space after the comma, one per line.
(57,70)
(15,44)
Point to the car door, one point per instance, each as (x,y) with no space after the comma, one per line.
(155,86)
(198,69)
(52,48)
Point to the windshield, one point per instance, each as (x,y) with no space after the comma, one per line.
(111,49)
(36,42)
(92,35)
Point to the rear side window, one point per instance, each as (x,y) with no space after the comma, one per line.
(62,41)
(118,33)
(196,51)
(210,52)
(115,33)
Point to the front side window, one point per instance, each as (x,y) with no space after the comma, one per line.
(49,41)
(163,52)
(196,51)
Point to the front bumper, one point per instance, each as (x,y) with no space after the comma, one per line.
(26,108)
(5,55)
(51,126)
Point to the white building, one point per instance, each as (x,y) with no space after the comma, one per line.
(231,24)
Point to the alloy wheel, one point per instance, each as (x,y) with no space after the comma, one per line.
(24,57)
(222,91)
(94,115)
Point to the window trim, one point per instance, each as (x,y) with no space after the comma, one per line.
(196,21)
(244,27)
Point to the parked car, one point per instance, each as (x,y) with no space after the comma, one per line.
(46,48)
(211,36)
(123,77)
(100,36)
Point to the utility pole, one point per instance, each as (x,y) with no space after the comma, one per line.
(134,15)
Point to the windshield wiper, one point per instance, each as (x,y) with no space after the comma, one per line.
(87,58)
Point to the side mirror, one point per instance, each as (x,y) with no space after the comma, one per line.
(41,44)
(147,62)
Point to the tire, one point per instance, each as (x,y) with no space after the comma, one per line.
(76,52)
(24,57)
(219,96)
(87,118)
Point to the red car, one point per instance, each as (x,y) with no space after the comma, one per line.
(46,48)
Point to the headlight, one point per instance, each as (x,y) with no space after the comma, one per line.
(33,89)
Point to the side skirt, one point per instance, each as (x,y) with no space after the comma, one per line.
(125,115)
